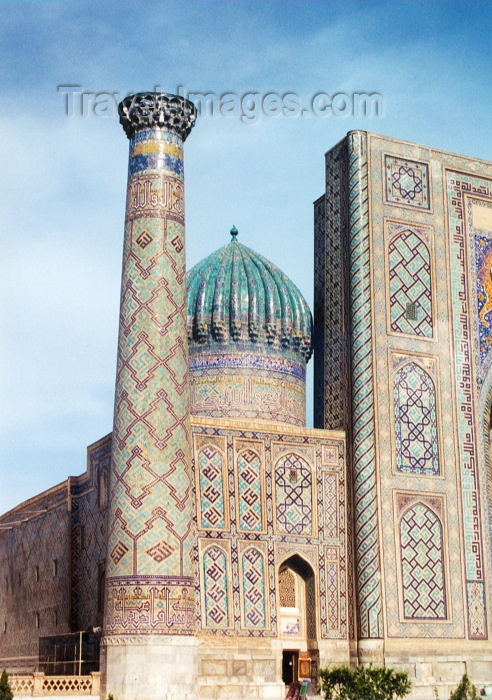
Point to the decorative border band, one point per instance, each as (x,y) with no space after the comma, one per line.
(364,455)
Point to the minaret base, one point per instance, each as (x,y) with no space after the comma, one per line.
(149,668)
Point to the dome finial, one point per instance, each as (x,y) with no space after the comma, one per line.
(234,232)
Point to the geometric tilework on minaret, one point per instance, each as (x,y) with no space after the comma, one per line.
(150,575)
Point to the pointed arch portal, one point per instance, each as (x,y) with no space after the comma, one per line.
(297,619)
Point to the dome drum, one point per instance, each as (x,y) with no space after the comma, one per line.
(248,386)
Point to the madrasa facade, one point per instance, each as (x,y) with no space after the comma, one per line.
(218,546)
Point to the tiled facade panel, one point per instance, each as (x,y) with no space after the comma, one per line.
(254,593)
(469,202)
(422,564)
(211,475)
(293,495)
(215,582)
(410,267)
(415,417)
(286,495)
(424,244)
(406,182)
(250,488)
(425,360)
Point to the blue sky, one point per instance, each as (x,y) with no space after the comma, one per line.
(63,179)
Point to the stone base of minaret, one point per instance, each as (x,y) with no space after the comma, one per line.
(150,668)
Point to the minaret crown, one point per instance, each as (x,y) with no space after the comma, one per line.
(156,110)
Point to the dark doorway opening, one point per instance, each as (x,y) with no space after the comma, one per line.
(290,663)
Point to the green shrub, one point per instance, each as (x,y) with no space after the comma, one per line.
(364,683)
(5,689)
(338,683)
(465,690)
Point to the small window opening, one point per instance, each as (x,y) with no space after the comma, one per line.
(37,620)
(55,567)
(411,311)
(36,573)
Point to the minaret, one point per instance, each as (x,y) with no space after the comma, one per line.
(149,621)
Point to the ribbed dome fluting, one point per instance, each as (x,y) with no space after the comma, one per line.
(237,296)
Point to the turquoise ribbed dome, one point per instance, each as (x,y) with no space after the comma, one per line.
(236,296)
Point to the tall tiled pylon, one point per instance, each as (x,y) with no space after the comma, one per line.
(149,621)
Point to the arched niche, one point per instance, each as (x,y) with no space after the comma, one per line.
(297,617)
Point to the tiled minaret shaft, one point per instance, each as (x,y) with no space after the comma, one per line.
(150,575)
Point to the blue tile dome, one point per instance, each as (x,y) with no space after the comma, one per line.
(238,297)
(249,331)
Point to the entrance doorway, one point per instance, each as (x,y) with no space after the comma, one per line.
(290,664)
(297,620)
